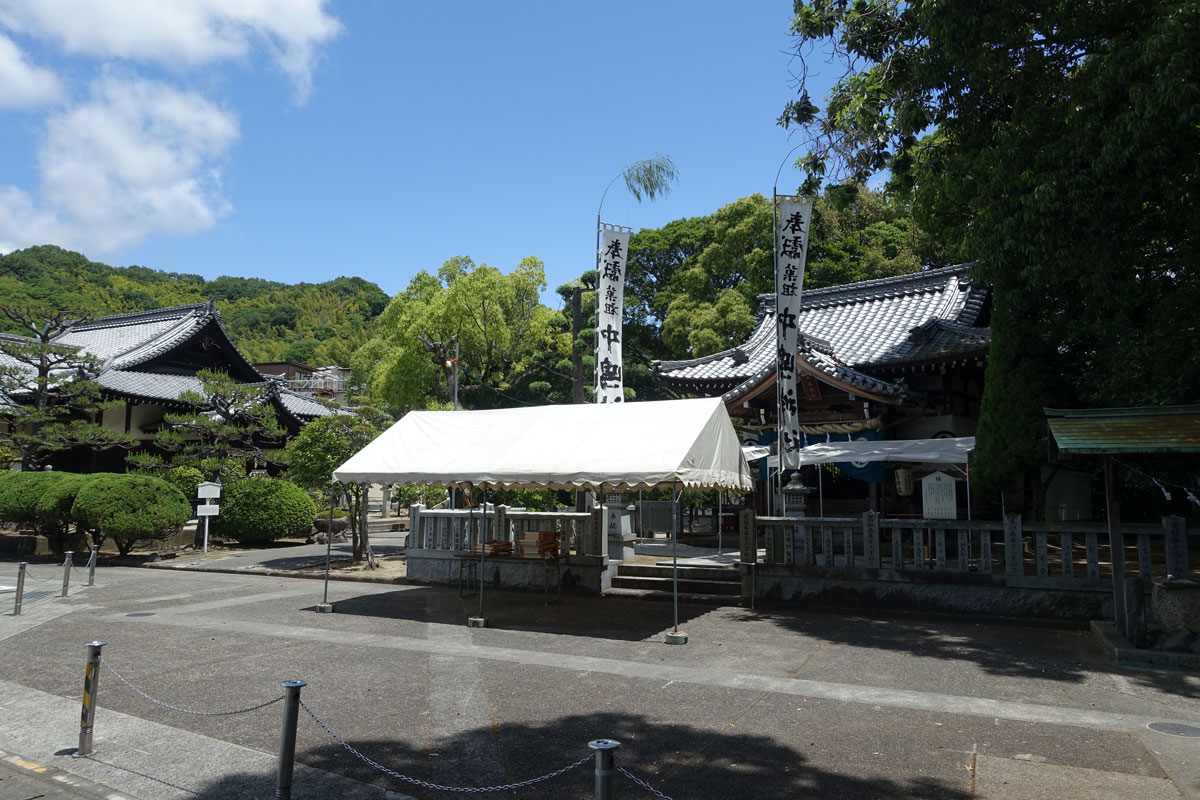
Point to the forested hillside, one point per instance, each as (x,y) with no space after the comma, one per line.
(316,324)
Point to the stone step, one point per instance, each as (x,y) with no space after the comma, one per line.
(664,570)
(692,598)
(686,585)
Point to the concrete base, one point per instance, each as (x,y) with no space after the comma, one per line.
(677,637)
(1124,654)
(620,548)
(476,622)
(324,608)
(1176,605)
(582,574)
(928,590)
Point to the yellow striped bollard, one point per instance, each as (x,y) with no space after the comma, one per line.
(87,718)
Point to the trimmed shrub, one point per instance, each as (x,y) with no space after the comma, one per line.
(53,508)
(263,510)
(129,508)
(19,494)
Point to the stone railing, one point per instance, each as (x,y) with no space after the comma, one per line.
(1050,554)
(461,529)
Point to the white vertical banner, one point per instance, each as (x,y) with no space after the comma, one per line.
(791,251)
(610,295)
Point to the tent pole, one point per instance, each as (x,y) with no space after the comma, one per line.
(821,491)
(480,621)
(967,472)
(720,518)
(482,552)
(675,636)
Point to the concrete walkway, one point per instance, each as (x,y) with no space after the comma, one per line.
(769,703)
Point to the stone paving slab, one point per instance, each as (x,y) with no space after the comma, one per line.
(771,704)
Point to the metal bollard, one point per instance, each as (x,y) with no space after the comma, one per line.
(92,565)
(67,572)
(91,681)
(606,753)
(287,740)
(20,588)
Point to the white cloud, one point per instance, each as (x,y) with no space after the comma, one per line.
(137,158)
(23,85)
(181,33)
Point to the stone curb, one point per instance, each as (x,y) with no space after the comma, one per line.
(275,573)
(1124,654)
(61,780)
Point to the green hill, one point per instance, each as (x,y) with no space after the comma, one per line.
(314,323)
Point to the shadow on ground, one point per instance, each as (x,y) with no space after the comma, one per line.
(618,618)
(1013,648)
(677,760)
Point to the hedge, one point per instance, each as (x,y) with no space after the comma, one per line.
(129,508)
(263,510)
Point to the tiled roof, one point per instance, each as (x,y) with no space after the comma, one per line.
(167,388)
(126,340)
(151,385)
(304,406)
(906,319)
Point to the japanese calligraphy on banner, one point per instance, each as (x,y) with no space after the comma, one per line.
(791,250)
(610,294)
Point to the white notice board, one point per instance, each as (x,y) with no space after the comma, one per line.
(938,496)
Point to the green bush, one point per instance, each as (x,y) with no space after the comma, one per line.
(22,495)
(19,493)
(129,508)
(263,510)
(53,508)
(338,513)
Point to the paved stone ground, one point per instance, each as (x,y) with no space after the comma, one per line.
(770,703)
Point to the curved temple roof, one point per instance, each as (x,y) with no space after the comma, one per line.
(883,324)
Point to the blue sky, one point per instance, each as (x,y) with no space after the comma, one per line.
(299,140)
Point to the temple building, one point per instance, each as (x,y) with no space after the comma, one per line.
(896,358)
(148,358)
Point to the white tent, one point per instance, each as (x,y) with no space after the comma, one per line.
(924,451)
(617,446)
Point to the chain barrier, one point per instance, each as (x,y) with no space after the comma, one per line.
(29,574)
(641,783)
(138,691)
(435,786)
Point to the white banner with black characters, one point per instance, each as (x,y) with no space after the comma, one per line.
(791,251)
(610,295)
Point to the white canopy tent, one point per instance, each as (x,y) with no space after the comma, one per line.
(610,446)
(924,451)
(603,446)
(952,451)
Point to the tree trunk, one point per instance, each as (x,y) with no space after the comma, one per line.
(368,553)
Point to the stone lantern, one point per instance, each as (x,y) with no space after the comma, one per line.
(795,495)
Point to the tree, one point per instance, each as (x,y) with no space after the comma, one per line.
(1061,148)
(322,446)
(496,321)
(231,424)
(46,400)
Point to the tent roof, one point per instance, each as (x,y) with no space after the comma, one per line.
(618,445)
(926,451)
